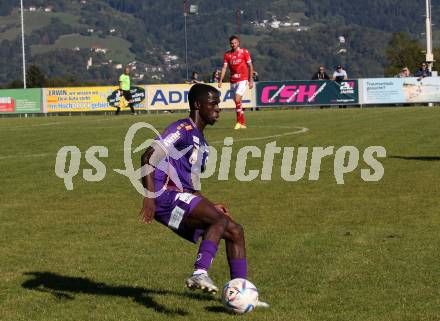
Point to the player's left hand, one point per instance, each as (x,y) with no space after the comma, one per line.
(251,84)
(222,208)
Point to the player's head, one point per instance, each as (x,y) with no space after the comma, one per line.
(126,70)
(234,42)
(204,100)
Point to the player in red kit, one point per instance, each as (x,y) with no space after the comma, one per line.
(241,69)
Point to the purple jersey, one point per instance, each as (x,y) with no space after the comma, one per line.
(187,154)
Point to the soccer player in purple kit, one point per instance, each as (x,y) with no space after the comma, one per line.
(173,199)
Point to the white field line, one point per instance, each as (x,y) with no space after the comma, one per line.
(55,123)
(300,130)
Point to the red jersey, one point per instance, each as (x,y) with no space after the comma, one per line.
(238,64)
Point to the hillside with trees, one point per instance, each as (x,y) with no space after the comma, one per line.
(89,41)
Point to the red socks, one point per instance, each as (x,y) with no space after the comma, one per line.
(240,113)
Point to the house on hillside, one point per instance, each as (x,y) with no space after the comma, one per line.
(275,24)
(97,49)
(89,63)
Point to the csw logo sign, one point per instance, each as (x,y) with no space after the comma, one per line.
(306,93)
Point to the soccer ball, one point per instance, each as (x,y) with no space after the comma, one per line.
(240,296)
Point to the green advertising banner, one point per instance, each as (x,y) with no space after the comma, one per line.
(307,93)
(13,101)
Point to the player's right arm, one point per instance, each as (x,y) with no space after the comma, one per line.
(222,76)
(149,161)
(120,84)
(223,73)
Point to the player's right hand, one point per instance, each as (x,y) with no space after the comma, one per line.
(148,210)
(222,208)
(220,84)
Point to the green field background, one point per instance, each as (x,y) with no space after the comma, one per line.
(316,250)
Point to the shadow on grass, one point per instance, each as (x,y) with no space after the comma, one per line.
(64,287)
(217,309)
(418,158)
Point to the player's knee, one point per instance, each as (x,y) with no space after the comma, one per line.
(236,231)
(220,224)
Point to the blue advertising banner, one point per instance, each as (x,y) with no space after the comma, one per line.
(175,96)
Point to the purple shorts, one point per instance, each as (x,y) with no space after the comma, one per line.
(171,209)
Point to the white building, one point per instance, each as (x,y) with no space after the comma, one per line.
(89,63)
(275,24)
(99,50)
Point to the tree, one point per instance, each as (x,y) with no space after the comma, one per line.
(35,78)
(15,84)
(402,51)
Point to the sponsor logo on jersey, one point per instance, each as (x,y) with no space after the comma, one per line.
(171,139)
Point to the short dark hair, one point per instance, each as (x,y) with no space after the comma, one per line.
(233,37)
(198,92)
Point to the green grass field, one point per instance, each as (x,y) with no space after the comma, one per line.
(317,250)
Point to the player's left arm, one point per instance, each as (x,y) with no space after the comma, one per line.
(251,74)
(251,70)
(149,162)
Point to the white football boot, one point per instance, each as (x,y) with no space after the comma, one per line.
(202,282)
